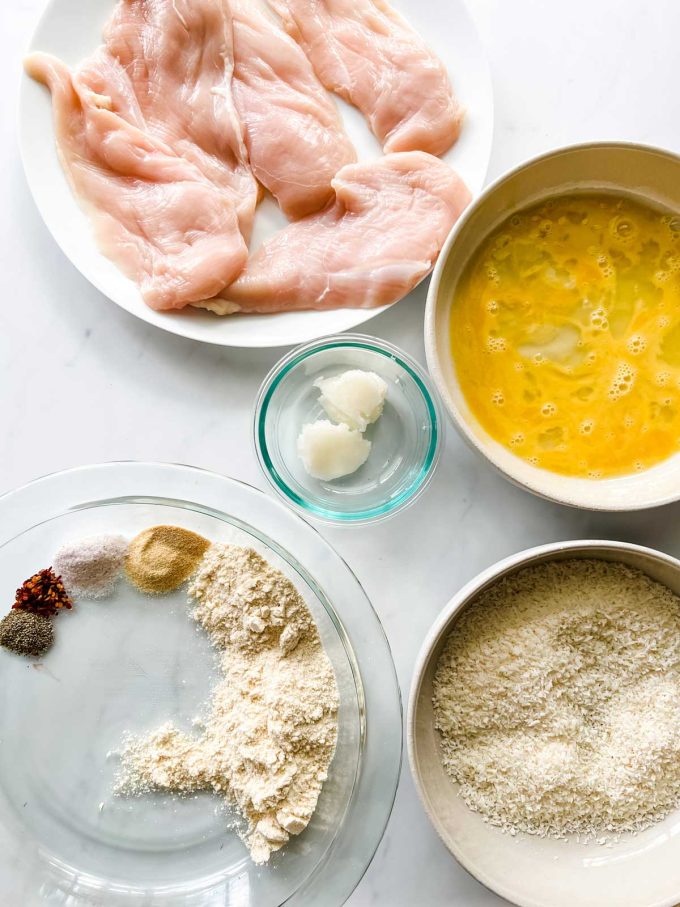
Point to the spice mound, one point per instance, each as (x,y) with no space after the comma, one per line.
(557,698)
(26,633)
(43,593)
(90,567)
(161,558)
(270,727)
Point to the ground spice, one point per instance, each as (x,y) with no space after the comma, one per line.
(43,593)
(26,633)
(161,558)
(90,567)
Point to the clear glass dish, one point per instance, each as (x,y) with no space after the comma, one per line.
(132,662)
(406,440)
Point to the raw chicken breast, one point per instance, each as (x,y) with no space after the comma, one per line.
(295,137)
(369,247)
(178,55)
(156,215)
(365,52)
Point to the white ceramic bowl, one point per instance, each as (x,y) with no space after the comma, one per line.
(640,870)
(640,171)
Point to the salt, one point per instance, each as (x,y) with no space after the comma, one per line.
(90,567)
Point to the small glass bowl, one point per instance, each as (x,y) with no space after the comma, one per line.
(406,440)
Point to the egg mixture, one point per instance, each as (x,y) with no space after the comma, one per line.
(565,331)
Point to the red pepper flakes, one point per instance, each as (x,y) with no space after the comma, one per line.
(43,593)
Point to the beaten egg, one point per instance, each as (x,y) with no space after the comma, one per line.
(565,332)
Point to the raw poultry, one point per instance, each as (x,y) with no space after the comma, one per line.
(369,247)
(368,54)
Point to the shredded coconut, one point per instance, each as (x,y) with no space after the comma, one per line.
(557,699)
(270,729)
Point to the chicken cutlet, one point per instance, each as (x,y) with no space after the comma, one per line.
(295,137)
(364,51)
(369,247)
(179,57)
(155,214)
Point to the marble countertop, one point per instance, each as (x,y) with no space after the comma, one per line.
(82,381)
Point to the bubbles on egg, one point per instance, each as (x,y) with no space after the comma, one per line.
(636,344)
(671,262)
(517,439)
(496,344)
(586,427)
(492,276)
(602,259)
(599,320)
(623,381)
(672,223)
(622,229)
(497,398)
(548,409)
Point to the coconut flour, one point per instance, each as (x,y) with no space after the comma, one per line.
(270,728)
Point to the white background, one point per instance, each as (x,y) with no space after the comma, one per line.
(82,381)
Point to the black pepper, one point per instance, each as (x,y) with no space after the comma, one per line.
(26,633)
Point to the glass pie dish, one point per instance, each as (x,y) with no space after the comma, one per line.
(129,663)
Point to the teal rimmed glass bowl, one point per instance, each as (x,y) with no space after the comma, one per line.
(406,440)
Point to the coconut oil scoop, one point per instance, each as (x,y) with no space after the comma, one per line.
(348,429)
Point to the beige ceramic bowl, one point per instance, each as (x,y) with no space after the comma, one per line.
(639,871)
(636,170)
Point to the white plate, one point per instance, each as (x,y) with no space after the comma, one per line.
(71,30)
